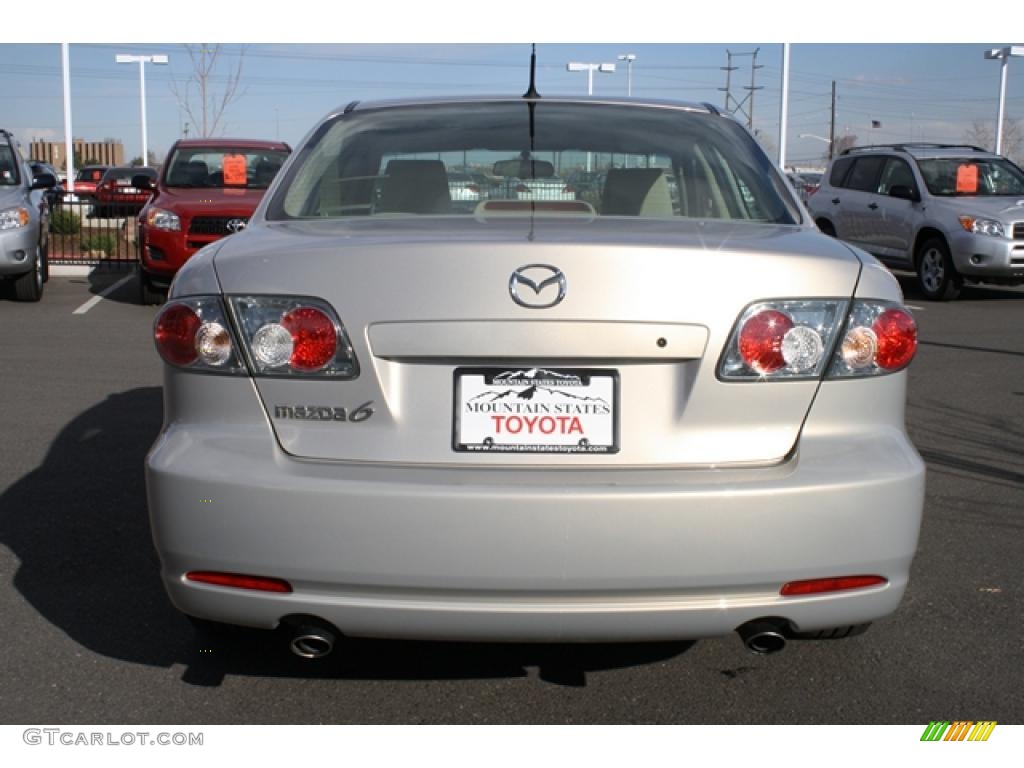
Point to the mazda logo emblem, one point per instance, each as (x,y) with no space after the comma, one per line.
(541,280)
(236,225)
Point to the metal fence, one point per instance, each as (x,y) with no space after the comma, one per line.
(83,232)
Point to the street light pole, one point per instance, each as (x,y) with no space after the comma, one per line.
(629,58)
(69,160)
(589,68)
(830,142)
(123,58)
(1003,54)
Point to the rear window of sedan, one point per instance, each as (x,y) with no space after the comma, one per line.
(651,162)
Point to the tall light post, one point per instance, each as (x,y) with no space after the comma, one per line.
(589,68)
(629,58)
(1003,54)
(579,66)
(124,58)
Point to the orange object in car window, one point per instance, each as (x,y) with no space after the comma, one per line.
(234,170)
(967,179)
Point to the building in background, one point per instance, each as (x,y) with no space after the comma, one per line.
(86,153)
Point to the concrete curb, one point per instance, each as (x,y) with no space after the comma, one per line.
(81,270)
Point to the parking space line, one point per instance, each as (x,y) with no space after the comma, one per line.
(915,308)
(102,295)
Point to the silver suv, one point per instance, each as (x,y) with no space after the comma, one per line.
(24,222)
(950,213)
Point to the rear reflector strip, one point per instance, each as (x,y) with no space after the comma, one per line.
(818,586)
(239,581)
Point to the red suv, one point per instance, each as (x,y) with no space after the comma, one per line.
(207,188)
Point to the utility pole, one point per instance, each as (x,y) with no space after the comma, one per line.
(729,69)
(731,103)
(754,66)
(832,124)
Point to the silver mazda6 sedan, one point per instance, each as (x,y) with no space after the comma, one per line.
(673,409)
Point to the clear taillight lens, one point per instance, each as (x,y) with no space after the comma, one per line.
(880,337)
(782,340)
(194,333)
(795,339)
(294,336)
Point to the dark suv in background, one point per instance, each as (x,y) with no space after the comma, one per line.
(950,213)
(207,188)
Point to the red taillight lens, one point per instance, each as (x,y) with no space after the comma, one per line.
(239,581)
(897,339)
(314,338)
(194,333)
(818,586)
(760,340)
(294,336)
(175,334)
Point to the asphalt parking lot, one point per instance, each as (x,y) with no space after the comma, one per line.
(88,635)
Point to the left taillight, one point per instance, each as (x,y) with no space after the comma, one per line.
(268,335)
(194,334)
(800,339)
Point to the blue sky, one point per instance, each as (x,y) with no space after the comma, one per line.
(921,91)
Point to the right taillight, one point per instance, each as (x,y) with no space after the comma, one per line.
(294,336)
(797,339)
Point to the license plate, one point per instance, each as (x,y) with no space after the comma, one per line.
(536,410)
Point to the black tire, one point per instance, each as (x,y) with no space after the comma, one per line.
(44,253)
(826,227)
(29,286)
(936,275)
(148,293)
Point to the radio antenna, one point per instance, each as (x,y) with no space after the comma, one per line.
(532,92)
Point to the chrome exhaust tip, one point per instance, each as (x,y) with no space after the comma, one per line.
(313,641)
(763,636)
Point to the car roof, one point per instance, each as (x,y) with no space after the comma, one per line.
(218,142)
(485,99)
(925,151)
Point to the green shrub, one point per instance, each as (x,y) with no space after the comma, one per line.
(105,241)
(64,222)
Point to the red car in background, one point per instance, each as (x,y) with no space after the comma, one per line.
(116,194)
(87,178)
(207,188)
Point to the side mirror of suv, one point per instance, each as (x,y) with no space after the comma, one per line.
(904,192)
(142,181)
(44,181)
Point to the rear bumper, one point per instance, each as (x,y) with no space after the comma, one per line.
(530,554)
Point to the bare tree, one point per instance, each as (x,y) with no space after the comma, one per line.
(198,97)
(982,135)
(846,141)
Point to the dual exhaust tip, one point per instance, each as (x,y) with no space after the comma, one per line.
(313,638)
